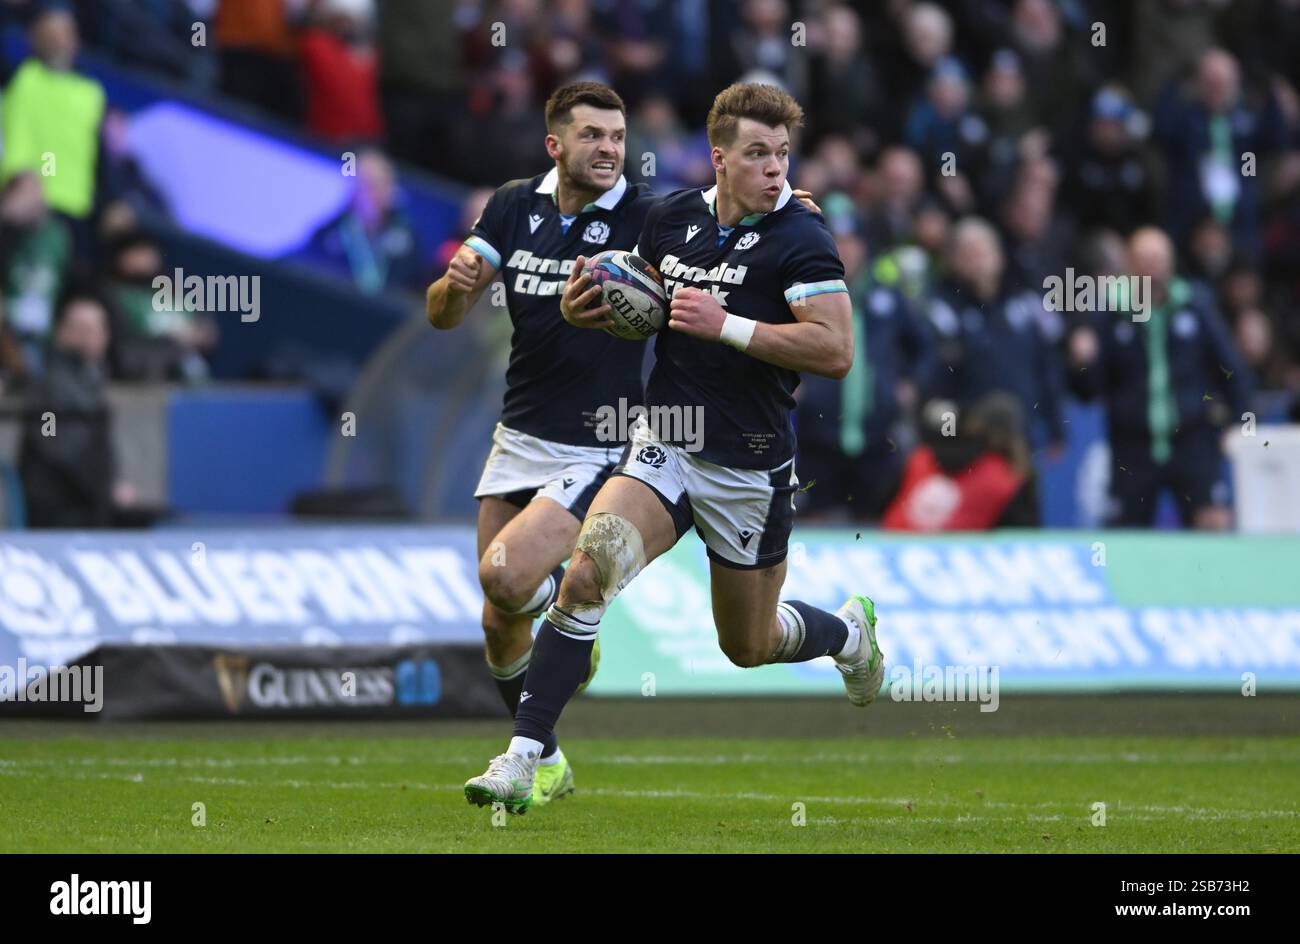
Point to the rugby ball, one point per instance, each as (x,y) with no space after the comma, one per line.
(636,298)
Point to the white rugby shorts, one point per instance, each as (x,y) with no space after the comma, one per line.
(744,516)
(522,467)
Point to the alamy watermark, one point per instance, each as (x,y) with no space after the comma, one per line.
(209,293)
(55,683)
(78,897)
(945,683)
(1074,292)
(682,426)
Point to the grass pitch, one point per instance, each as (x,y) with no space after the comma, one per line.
(1176,774)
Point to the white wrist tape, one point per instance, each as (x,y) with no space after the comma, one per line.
(737,331)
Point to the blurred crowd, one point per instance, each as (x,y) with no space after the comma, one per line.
(77,301)
(71,200)
(963,152)
(79,306)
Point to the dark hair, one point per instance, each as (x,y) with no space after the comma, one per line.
(78,292)
(559,107)
(765,104)
(132,239)
(997,421)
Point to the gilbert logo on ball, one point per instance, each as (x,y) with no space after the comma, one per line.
(636,297)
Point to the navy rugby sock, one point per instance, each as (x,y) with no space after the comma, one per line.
(810,633)
(561,662)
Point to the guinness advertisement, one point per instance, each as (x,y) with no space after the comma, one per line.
(200,682)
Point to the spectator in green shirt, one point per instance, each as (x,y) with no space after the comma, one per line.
(35,252)
(51,117)
(136,261)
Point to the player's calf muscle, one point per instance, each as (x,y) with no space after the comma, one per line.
(749,640)
(506,635)
(746,653)
(744,611)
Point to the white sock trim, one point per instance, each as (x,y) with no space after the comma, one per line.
(568,624)
(514,669)
(525,747)
(555,757)
(793,632)
(541,598)
(855,638)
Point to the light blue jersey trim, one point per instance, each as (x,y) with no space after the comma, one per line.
(799,291)
(484,249)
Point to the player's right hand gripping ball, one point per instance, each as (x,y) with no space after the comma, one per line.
(632,290)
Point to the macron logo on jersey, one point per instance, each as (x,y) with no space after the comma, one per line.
(677,273)
(534,221)
(690,232)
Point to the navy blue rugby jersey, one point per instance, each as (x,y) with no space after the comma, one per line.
(559,375)
(755,269)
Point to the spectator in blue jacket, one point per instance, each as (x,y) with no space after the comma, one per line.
(371,242)
(1214,141)
(1169,384)
(992,338)
(1112,179)
(947,131)
(849,441)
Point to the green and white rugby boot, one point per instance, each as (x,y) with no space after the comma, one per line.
(552,781)
(863,669)
(508,781)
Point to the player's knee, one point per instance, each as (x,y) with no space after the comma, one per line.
(745,654)
(581,581)
(611,552)
(502,585)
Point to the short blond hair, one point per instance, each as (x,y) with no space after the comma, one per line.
(765,104)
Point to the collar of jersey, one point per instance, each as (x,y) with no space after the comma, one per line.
(607,201)
(711,198)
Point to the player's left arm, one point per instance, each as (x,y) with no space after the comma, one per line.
(819,342)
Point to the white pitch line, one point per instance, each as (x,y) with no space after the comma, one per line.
(619,760)
(1120,813)
(180,761)
(952,759)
